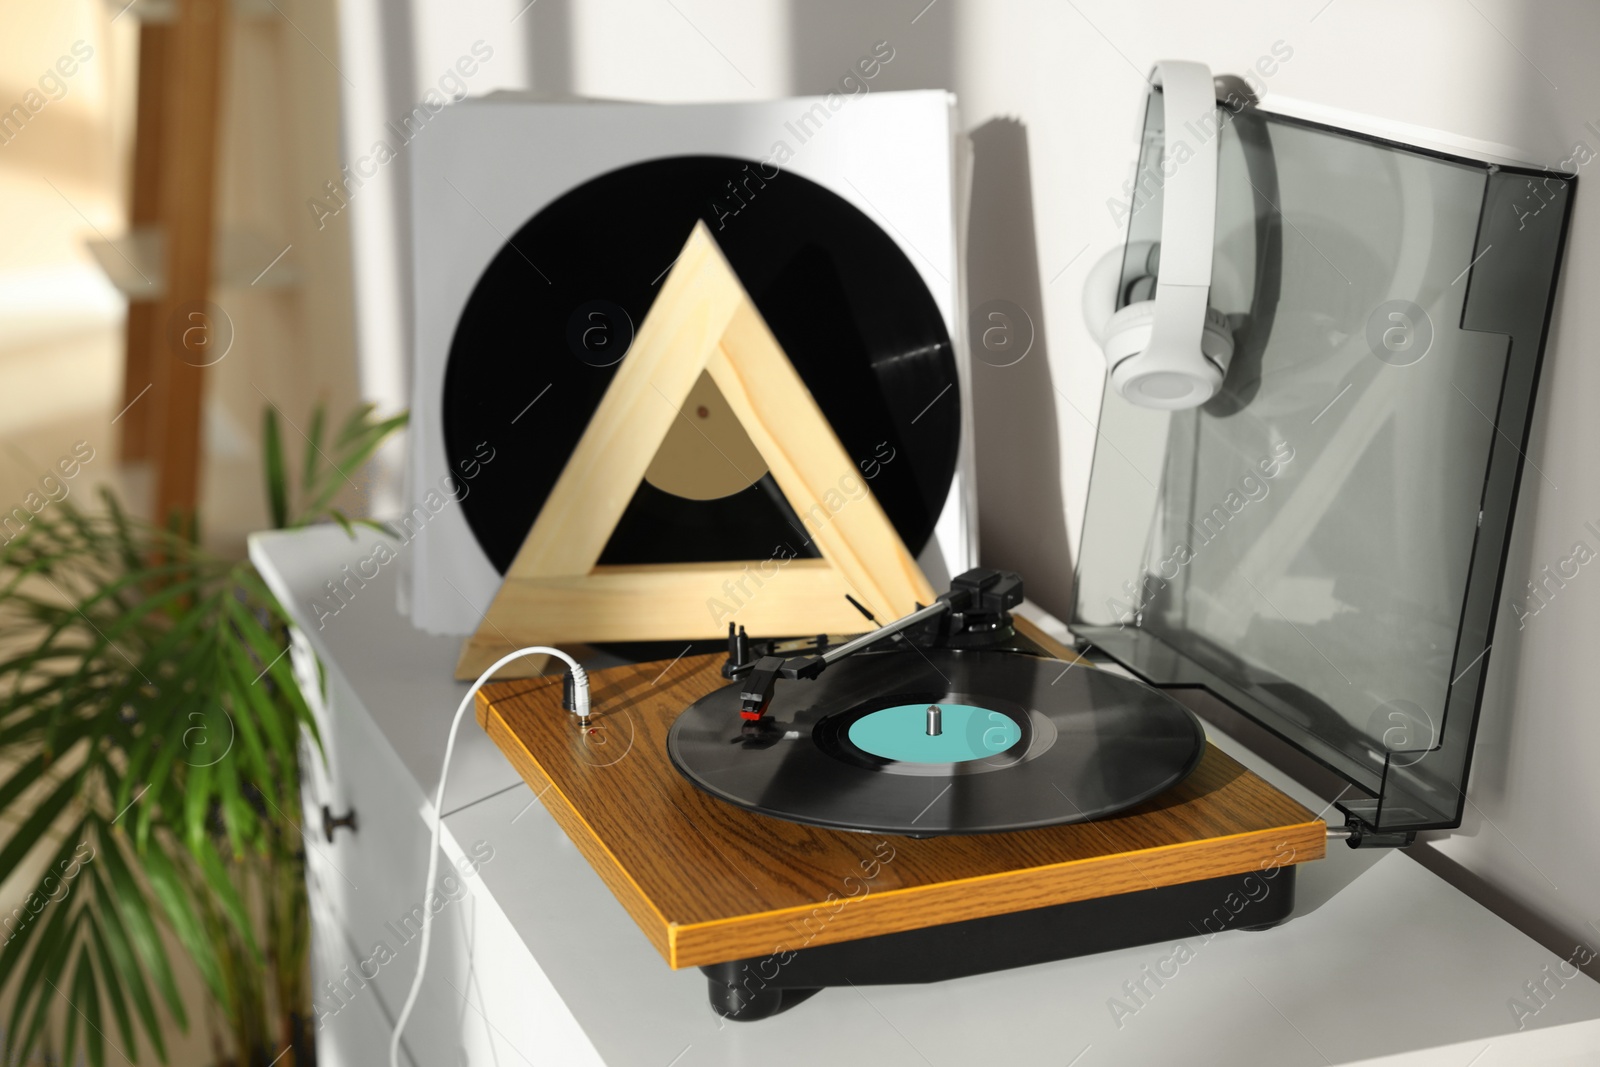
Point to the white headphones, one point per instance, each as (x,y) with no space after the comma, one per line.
(1170,352)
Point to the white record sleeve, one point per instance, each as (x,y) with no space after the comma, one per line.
(490,164)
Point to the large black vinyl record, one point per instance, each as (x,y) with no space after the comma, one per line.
(540,339)
(1068,745)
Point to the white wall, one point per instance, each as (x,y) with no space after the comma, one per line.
(1051,93)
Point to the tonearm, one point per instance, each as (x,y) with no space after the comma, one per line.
(976,598)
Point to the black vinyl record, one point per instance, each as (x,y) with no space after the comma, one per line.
(550,319)
(1024,742)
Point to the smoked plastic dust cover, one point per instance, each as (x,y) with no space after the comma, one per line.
(1322,544)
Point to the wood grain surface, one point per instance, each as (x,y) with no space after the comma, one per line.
(708,882)
(703,322)
(189,145)
(145,338)
(662,602)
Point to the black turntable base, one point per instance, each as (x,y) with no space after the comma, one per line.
(773,907)
(751,989)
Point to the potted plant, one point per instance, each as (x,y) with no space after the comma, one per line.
(151,735)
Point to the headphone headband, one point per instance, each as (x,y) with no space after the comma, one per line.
(1189,170)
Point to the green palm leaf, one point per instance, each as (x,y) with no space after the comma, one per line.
(45,964)
(122,961)
(111,981)
(33,828)
(319,416)
(277,478)
(130,907)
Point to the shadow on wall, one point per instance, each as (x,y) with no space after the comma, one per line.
(1022,524)
(397,27)
(547,26)
(1022,518)
(828,37)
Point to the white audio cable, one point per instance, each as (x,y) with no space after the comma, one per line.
(580,708)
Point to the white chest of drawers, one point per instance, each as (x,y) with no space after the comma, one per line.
(535,962)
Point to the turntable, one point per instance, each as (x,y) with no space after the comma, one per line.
(950,794)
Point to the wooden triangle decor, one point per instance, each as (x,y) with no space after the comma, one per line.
(702,323)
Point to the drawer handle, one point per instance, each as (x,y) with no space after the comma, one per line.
(332,822)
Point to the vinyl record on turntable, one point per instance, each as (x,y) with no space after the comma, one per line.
(555,309)
(942,742)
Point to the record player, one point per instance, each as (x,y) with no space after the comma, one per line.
(949,794)
(1317,541)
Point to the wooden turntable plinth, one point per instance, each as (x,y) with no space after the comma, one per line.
(708,882)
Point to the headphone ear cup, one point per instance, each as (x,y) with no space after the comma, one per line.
(1128,331)
(1160,384)
(1128,334)
(1100,293)
(1216,340)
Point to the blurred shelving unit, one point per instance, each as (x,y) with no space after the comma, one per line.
(181,52)
(165,12)
(236,125)
(136,262)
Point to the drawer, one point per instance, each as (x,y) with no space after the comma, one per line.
(469,1010)
(367,891)
(532,1024)
(353,1032)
